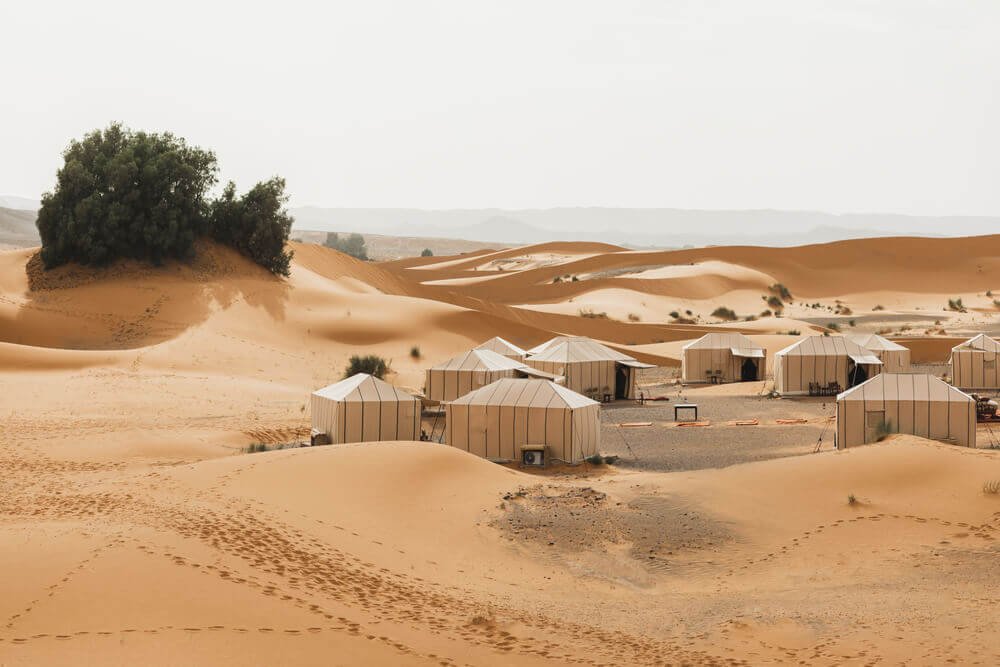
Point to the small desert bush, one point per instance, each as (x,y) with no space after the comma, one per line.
(765,313)
(674,314)
(781,291)
(774,303)
(956,305)
(632,317)
(557,279)
(793,332)
(852,499)
(992,487)
(879,307)
(833,326)
(592,315)
(853,323)
(426,252)
(415,351)
(724,313)
(370,363)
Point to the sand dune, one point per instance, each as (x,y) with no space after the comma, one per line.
(135,531)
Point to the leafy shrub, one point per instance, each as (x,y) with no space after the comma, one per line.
(426,252)
(781,291)
(122,194)
(370,363)
(590,314)
(956,305)
(833,326)
(879,307)
(724,313)
(674,314)
(353,245)
(255,224)
(415,351)
(632,317)
(793,332)
(775,303)
(851,499)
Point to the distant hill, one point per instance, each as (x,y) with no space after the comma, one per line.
(23,203)
(17,228)
(671,228)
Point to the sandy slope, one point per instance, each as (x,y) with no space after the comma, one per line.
(134,532)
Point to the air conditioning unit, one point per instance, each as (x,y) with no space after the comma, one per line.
(533,455)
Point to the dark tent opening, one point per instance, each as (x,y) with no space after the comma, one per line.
(748,373)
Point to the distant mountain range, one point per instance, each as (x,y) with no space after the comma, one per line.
(634,227)
(670,228)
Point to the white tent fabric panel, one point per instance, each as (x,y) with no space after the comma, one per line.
(365,409)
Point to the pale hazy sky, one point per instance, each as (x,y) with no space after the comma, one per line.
(890,106)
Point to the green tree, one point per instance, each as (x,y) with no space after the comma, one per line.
(126,194)
(256,224)
(427,252)
(354,245)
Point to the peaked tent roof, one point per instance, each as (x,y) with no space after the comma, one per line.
(904,387)
(980,342)
(568,349)
(830,346)
(723,341)
(363,387)
(525,393)
(538,349)
(500,346)
(874,342)
(475,360)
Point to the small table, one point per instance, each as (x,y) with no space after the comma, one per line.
(686,406)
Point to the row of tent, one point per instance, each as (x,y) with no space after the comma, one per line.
(823,360)
(580,364)
(849,360)
(497,399)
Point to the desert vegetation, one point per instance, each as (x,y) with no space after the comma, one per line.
(352,244)
(370,363)
(124,194)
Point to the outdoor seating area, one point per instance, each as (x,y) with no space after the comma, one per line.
(828,389)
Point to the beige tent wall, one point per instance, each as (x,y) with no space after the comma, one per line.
(696,363)
(583,375)
(447,385)
(794,372)
(934,416)
(498,431)
(366,420)
(894,361)
(974,369)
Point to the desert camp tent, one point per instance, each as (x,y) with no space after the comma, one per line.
(905,403)
(730,357)
(504,348)
(822,360)
(363,408)
(472,370)
(590,368)
(974,363)
(895,358)
(495,421)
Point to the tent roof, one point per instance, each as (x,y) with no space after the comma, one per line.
(980,342)
(724,341)
(479,360)
(904,387)
(538,349)
(827,346)
(525,393)
(500,346)
(364,387)
(874,342)
(577,349)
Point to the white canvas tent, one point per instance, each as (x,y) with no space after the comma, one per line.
(905,403)
(589,367)
(974,363)
(895,358)
(472,370)
(731,357)
(363,408)
(495,421)
(504,348)
(822,360)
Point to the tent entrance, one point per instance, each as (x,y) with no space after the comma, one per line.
(875,425)
(748,371)
(621,381)
(856,375)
